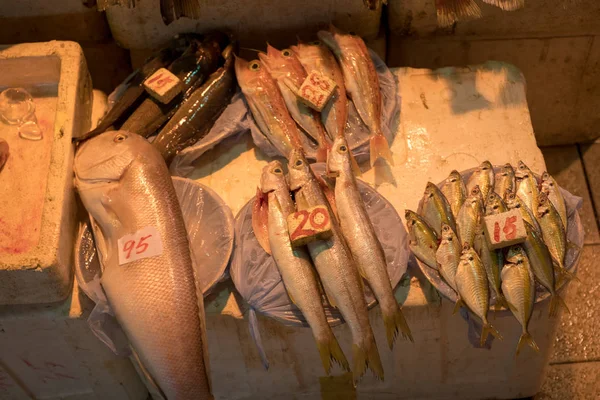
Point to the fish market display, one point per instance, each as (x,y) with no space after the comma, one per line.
(423,241)
(494,204)
(448,255)
(436,210)
(362,85)
(358,231)
(527,186)
(285,67)
(518,287)
(483,176)
(550,188)
(198,113)
(505,180)
(193,67)
(455,191)
(4,153)
(316,57)
(127,190)
(469,216)
(295,266)
(337,269)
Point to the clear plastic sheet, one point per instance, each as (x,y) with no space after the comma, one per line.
(237,119)
(575,235)
(257,278)
(210,227)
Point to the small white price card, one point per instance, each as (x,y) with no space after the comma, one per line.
(143,244)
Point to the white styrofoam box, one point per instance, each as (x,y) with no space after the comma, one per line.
(51,353)
(278,21)
(536,19)
(452,118)
(37,201)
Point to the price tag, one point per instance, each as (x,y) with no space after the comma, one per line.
(308,225)
(505,229)
(316,90)
(163,85)
(143,244)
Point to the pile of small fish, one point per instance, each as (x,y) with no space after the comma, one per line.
(447,235)
(290,124)
(205,65)
(336,265)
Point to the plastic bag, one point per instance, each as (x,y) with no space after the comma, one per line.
(210,226)
(237,119)
(257,278)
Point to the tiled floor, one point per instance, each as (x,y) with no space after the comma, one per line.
(574,371)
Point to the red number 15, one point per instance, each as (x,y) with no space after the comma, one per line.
(510,229)
(140,248)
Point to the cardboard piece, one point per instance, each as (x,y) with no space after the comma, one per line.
(308,225)
(504,229)
(163,85)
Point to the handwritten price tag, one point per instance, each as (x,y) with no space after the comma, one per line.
(308,225)
(505,229)
(316,90)
(163,85)
(143,244)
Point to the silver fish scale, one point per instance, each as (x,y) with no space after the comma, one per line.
(472,285)
(519,290)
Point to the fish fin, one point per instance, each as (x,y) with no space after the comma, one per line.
(555,303)
(366,358)
(330,350)
(507,5)
(458,305)
(379,147)
(569,275)
(329,193)
(396,323)
(155,390)
(260,218)
(526,338)
(486,330)
(500,302)
(354,164)
(450,11)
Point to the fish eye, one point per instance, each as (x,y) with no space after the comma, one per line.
(286,53)
(277,170)
(254,65)
(343,148)
(298,163)
(120,137)
(316,43)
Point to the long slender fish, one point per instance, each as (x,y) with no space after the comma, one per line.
(494,204)
(366,249)
(362,84)
(422,239)
(469,217)
(197,115)
(455,191)
(297,271)
(513,201)
(472,284)
(285,67)
(316,57)
(337,269)
(192,68)
(505,180)
(4,153)
(540,261)
(550,187)
(126,187)
(492,260)
(483,176)
(527,186)
(448,255)
(436,210)
(519,288)
(267,105)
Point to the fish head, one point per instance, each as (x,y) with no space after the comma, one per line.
(486,166)
(515,254)
(494,201)
(468,253)
(430,189)
(308,51)
(447,233)
(522,171)
(250,74)
(338,159)
(454,177)
(299,170)
(510,198)
(272,177)
(543,204)
(282,63)
(105,158)
(506,170)
(476,195)
(545,176)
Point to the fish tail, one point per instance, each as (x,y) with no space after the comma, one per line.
(379,147)
(450,11)
(500,302)
(486,330)
(457,306)
(355,168)
(366,356)
(555,303)
(507,5)
(569,275)
(526,338)
(330,350)
(395,323)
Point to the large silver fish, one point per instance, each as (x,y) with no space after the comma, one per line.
(492,260)
(338,271)
(422,240)
(297,271)
(362,85)
(513,202)
(126,187)
(436,210)
(483,176)
(527,186)
(472,284)
(469,217)
(519,288)
(448,255)
(505,180)
(455,191)
(550,187)
(362,241)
